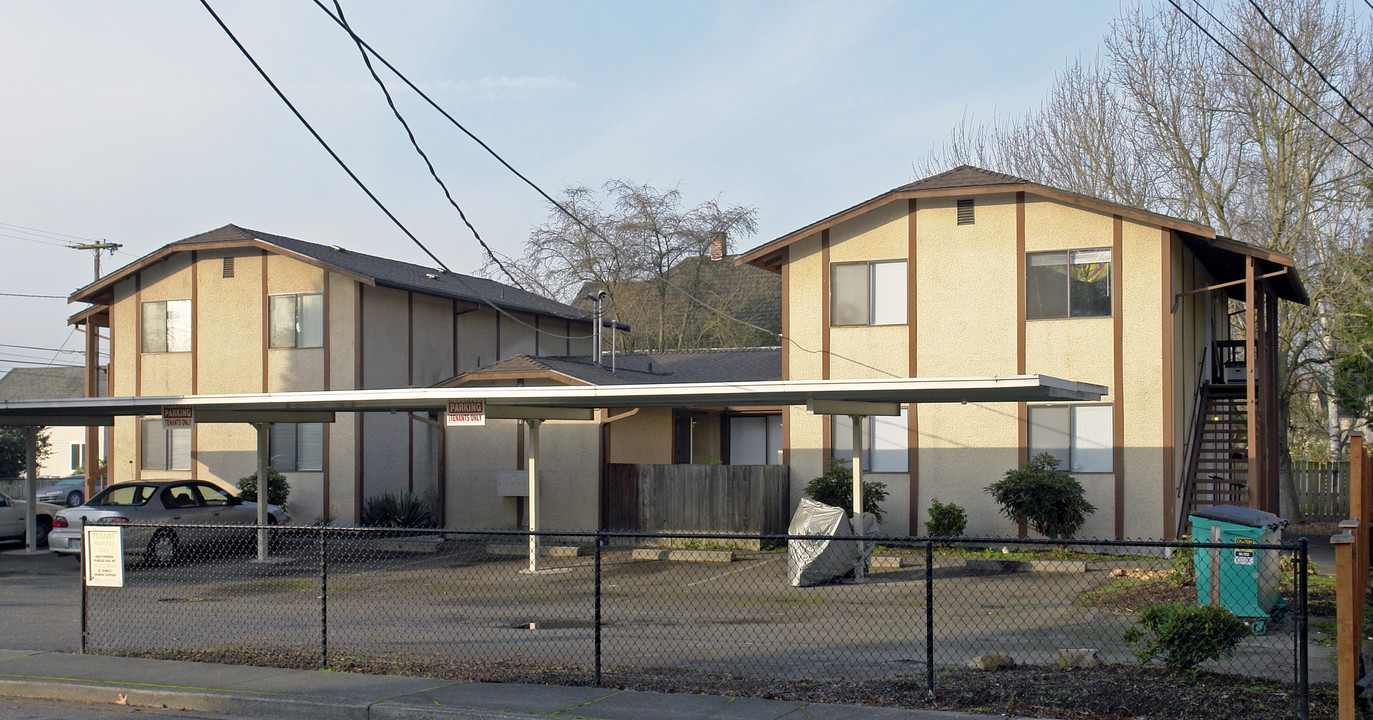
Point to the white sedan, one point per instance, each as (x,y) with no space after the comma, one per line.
(12,518)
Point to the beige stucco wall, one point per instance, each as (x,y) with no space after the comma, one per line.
(965,325)
(570,476)
(645,437)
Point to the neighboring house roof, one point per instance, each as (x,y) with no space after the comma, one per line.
(368,269)
(673,366)
(966,180)
(41,383)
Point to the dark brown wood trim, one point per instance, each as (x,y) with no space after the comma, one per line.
(137,335)
(786,353)
(1169,389)
(328,385)
(195,360)
(1254,461)
(410,381)
(825,308)
(498,340)
(359,382)
(537,335)
(266,322)
(567,337)
(912,367)
(1022,411)
(1118,379)
(454,317)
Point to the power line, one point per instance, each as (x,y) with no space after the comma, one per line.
(1312,65)
(366,59)
(44,349)
(29,295)
(48,233)
(1266,84)
(34,240)
(377,201)
(1278,71)
(589,228)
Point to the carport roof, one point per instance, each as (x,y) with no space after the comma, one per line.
(272,407)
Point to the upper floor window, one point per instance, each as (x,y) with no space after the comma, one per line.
(1081,437)
(296,447)
(167,326)
(297,320)
(165,448)
(868,293)
(1068,283)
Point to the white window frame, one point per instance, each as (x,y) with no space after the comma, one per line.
(175,446)
(296,447)
(1070,259)
(886,441)
(174,316)
(885,281)
(306,326)
(1088,444)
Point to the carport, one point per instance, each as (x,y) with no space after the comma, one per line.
(857,399)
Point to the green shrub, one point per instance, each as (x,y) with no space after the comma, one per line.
(1183,560)
(946,520)
(277,488)
(1187,635)
(397,510)
(835,488)
(1046,498)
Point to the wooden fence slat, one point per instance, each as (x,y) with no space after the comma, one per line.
(697,498)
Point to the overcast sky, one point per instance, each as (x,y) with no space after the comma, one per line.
(140,123)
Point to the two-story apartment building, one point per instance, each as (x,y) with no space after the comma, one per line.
(241,311)
(975,273)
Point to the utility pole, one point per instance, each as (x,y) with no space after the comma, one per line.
(95,249)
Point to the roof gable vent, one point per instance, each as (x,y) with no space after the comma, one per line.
(228,271)
(965,211)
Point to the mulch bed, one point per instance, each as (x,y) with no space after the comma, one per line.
(1120,692)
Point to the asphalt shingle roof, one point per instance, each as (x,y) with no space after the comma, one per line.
(961,177)
(674,366)
(400,275)
(42,383)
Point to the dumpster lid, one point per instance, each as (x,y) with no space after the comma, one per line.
(1240,515)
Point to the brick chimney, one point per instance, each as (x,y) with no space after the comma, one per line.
(717,246)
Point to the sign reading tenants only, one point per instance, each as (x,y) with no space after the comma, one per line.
(178,416)
(102,555)
(466,412)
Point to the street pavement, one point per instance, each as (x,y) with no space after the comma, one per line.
(308,694)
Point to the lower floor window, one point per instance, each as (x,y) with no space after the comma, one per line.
(884,441)
(1080,437)
(296,447)
(165,448)
(755,440)
(78,456)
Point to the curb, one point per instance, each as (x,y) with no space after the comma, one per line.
(205,700)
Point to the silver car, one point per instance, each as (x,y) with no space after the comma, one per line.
(168,502)
(69,491)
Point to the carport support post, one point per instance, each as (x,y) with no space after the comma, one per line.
(263,432)
(31,488)
(857,421)
(531,462)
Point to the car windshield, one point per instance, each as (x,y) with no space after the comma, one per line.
(124,496)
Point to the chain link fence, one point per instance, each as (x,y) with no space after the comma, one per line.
(593,607)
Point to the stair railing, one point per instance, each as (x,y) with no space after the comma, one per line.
(1191,448)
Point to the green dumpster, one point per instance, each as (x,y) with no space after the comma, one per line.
(1243,581)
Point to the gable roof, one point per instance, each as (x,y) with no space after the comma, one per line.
(367,269)
(33,383)
(967,180)
(651,368)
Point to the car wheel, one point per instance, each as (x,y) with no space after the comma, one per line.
(161,549)
(44,527)
(74,498)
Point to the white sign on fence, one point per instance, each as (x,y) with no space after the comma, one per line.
(102,555)
(178,416)
(466,412)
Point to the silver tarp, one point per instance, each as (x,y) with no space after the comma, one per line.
(814,562)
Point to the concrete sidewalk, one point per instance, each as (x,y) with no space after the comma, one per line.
(275,692)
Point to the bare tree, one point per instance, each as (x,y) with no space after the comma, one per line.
(650,252)
(1168,121)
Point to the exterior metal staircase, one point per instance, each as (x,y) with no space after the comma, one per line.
(1217,470)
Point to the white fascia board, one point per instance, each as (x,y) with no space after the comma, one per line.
(1015,388)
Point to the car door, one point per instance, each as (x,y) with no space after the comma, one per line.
(11,519)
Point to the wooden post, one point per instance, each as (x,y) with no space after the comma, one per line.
(1254,470)
(1360,496)
(1348,630)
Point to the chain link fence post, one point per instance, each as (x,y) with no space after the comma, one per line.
(323,599)
(929,617)
(599,540)
(1302,694)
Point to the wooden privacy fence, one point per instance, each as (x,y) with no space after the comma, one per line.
(1322,489)
(696,498)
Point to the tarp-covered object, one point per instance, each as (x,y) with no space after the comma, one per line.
(814,562)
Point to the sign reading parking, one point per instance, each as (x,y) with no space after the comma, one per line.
(466,412)
(178,416)
(102,556)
